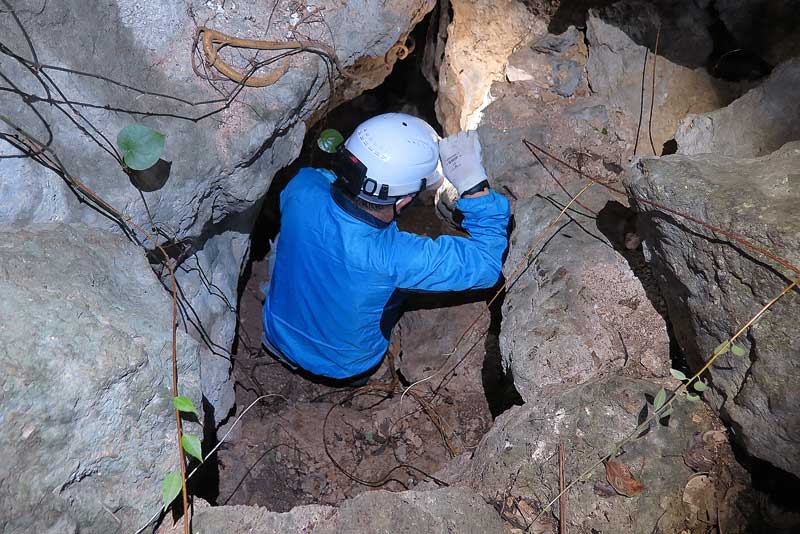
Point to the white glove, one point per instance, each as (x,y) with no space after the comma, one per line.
(461,160)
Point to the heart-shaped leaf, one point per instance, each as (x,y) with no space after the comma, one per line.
(722,348)
(738,350)
(141,146)
(191,444)
(170,488)
(699,386)
(184,404)
(677,374)
(329,140)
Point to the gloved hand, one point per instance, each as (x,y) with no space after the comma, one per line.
(461,161)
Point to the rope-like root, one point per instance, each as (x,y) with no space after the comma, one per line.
(212,41)
(400,50)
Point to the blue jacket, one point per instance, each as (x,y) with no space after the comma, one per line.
(333,298)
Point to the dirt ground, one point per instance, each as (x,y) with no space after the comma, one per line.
(277,458)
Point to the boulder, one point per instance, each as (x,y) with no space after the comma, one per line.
(618,38)
(480,37)
(756,124)
(577,311)
(554,61)
(376,512)
(713,285)
(516,464)
(139,70)
(87,424)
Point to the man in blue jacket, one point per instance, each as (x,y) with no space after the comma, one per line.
(342,265)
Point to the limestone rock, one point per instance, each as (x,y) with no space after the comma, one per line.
(554,61)
(713,285)
(375,512)
(516,464)
(758,123)
(480,38)
(140,70)
(618,37)
(577,311)
(87,426)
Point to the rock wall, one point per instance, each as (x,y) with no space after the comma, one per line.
(87,425)
(480,38)
(139,69)
(574,316)
(618,37)
(713,285)
(587,308)
(516,464)
(757,124)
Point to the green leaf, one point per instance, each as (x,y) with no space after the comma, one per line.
(141,146)
(738,350)
(722,348)
(661,398)
(692,397)
(677,374)
(700,386)
(170,488)
(184,404)
(191,444)
(329,140)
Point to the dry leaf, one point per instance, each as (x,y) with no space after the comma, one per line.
(699,497)
(699,458)
(620,477)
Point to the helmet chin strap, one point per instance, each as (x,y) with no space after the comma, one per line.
(404,208)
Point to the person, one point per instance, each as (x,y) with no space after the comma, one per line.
(341,264)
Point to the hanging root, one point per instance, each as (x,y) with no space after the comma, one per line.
(213,41)
(401,49)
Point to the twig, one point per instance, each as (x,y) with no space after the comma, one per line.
(653,93)
(641,102)
(564,189)
(562,512)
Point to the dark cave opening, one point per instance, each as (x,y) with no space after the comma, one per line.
(275,461)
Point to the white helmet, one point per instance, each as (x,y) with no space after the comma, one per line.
(388,157)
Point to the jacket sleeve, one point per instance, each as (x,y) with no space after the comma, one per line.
(452,263)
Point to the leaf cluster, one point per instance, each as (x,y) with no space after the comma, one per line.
(172,483)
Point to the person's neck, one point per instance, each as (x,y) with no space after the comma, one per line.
(385,215)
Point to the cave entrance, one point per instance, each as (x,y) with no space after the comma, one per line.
(311,443)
